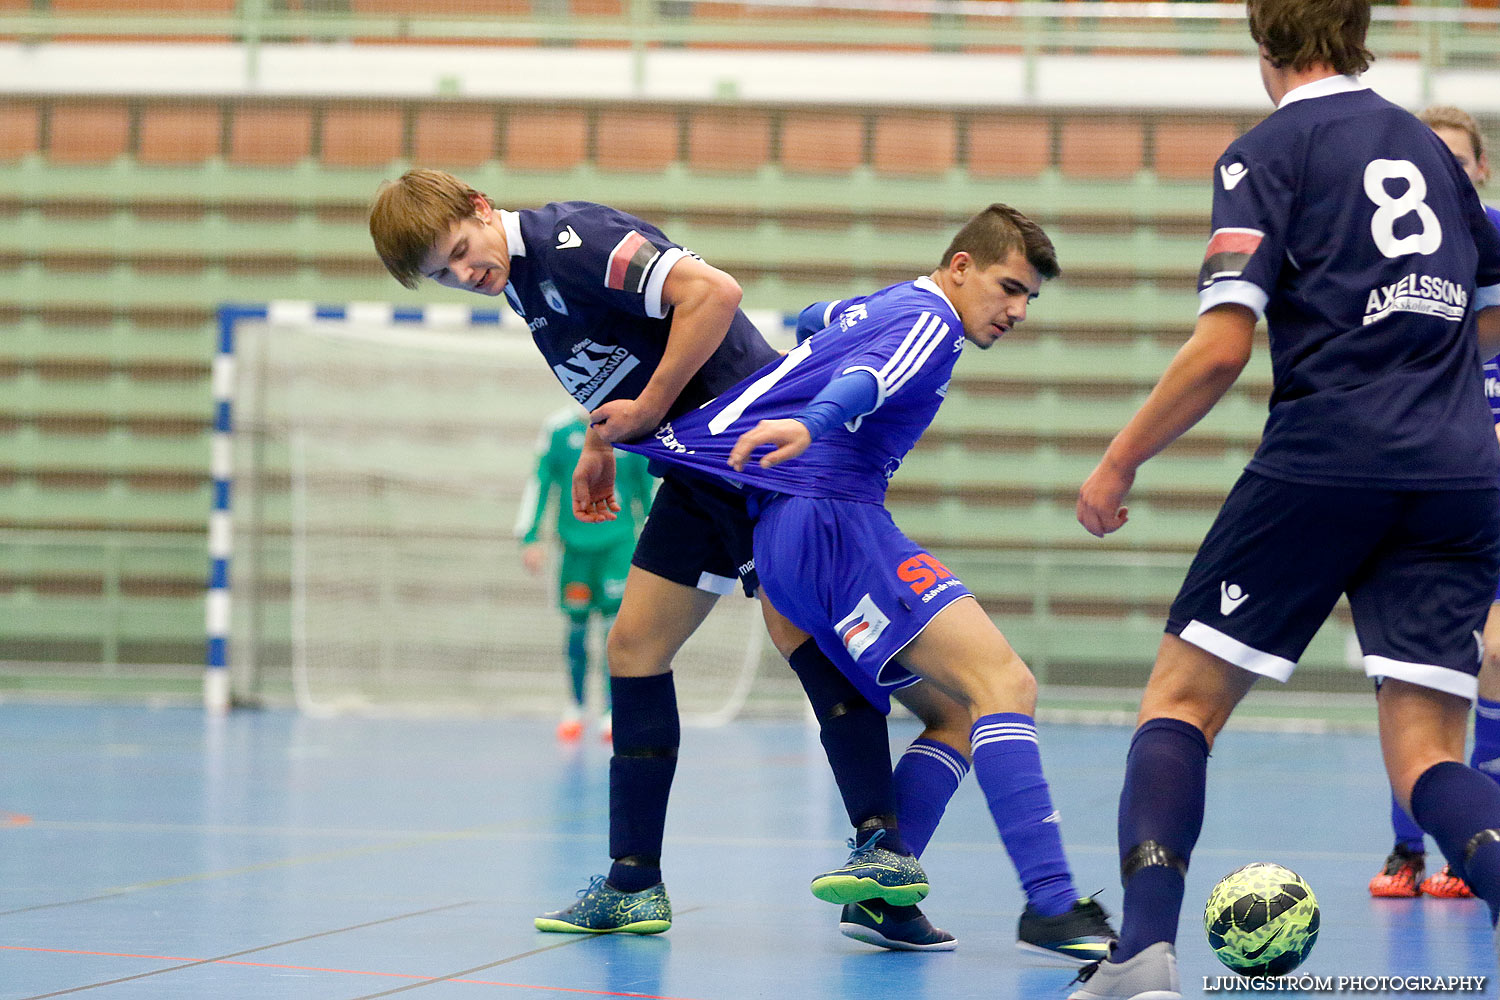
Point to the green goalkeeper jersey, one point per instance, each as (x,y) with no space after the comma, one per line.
(558,447)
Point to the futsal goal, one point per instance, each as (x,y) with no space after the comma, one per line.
(368,463)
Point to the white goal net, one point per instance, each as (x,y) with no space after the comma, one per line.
(377,470)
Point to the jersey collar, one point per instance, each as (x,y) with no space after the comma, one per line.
(1322,88)
(926,283)
(510,222)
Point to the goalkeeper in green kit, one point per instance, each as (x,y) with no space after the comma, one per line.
(595,557)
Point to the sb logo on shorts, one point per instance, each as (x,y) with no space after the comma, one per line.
(922,573)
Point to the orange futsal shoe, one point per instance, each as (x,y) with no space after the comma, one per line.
(1446,885)
(1401,877)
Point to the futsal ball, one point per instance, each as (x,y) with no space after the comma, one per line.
(1262,920)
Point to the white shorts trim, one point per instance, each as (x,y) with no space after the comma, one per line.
(1427,675)
(715,584)
(1236,652)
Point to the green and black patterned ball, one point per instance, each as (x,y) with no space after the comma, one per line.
(1261,919)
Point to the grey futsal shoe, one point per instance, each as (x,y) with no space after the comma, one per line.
(872,872)
(1151,975)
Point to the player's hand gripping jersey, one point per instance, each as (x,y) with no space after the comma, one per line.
(588,281)
(907,336)
(1402,238)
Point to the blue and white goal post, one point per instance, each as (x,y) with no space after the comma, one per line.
(368,465)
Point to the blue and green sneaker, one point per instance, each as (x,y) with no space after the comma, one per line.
(1078,937)
(603,909)
(873,872)
(902,928)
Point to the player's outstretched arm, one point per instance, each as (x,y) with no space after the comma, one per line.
(1488,322)
(594,481)
(1202,371)
(788,438)
(703,300)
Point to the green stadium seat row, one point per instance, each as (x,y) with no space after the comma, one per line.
(559,137)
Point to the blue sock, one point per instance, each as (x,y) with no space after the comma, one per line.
(1166,774)
(1008,765)
(578,658)
(646,738)
(1486,755)
(1461,809)
(858,745)
(926,777)
(1408,834)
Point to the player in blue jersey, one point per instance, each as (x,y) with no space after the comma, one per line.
(1348,224)
(637,329)
(839,413)
(1402,874)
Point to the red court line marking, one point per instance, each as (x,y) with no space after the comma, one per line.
(14,819)
(343,972)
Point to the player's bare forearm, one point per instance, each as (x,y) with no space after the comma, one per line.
(1488,323)
(594,481)
(1197,378)
(787,438)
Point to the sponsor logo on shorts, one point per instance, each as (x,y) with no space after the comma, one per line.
(1231,596)
(926,577)
(577,594)
(861,627)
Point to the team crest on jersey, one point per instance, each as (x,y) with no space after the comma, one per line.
(630,263)
(862,626)
(554,298)
(1229,250)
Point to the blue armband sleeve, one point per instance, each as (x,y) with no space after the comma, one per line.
(814,318)
(848,397)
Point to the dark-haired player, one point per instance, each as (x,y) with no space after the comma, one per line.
(1346,222)
(839,414)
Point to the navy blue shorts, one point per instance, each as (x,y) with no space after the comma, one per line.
(698,534)
(845,574)
(1419,568)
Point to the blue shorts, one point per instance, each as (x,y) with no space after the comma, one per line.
(1419,568)
(698,534)
(845,574)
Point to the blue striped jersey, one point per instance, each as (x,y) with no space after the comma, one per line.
(907,336)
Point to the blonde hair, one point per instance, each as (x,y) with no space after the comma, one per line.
(409,215)
(1446,116)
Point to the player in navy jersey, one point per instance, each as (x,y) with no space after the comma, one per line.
(1346,222)
(839,413)
(638,329)
(1402,874)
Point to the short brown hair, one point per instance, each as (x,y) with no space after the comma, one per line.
(1304,33)
(409,215)
(992,235)
(1446,116)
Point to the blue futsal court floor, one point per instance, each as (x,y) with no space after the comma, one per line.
(157,853)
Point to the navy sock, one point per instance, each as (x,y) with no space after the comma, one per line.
(646,738)
(578,658)
(1461,809)
(1485,757)
(1161,815)
(857,743)
(1409,835)
(1008,766)
(926,777)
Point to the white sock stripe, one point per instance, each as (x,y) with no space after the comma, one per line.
(984,741)
(1488,713)
(1003,727)
(958,766)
